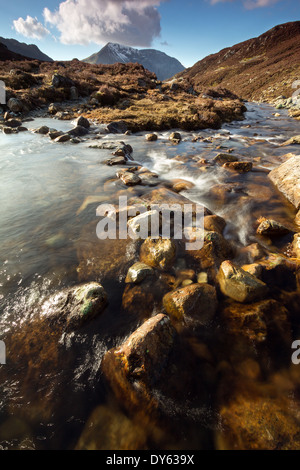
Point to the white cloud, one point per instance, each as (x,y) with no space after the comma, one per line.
(249,4)
(130,22)
(31,28)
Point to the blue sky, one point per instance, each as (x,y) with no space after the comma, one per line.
(188,30)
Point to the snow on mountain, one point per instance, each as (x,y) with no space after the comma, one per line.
(158,62)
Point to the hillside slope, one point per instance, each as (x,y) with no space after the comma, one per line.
(27,50)
(259,69)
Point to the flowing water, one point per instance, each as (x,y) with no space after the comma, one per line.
(48,199)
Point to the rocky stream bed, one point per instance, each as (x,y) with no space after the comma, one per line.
(142,344)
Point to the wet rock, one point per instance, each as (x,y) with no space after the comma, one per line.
(142,225)
(116,161)
(296,245)
(287,180)
(138,272)
(255,269)
(78,131)
(63,138)
(254,252)
(223,158)
(271,228)
(13,123)
(254,422)
(117,127)
(134,368)
(110,429)
(179,185)
(196,301)
(151,137)
(22,129)
(297,218)
(52,109)
(75,306)
(139,300)
(240,167)
(239,285)
(42,130)
(215,250)
(214,223)
(55,134)
(130,179)
(158,253)
(82,122)
(175,137)
(292,141)
(9,130)
(15,105)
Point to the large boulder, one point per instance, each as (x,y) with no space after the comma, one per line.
(196,301)
(134,368)
(287,179)
(59,81)
(240,285)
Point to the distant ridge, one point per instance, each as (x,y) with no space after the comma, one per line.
(258,69)
(28,50)
(6,54)
(155,61)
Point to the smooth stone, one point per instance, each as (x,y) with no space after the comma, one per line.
(239,285)
(138,272)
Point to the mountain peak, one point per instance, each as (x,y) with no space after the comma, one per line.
(158,62)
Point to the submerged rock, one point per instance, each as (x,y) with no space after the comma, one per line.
(214,223)
(271,228)
(158,253)
(130,179)
(110,429)
(223,158)
(287,179)
(75,306)
(151,137)
(239,285)
(254,422)
(134,368)
(138,272)
(240,167)
(196,301)
(175,137)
